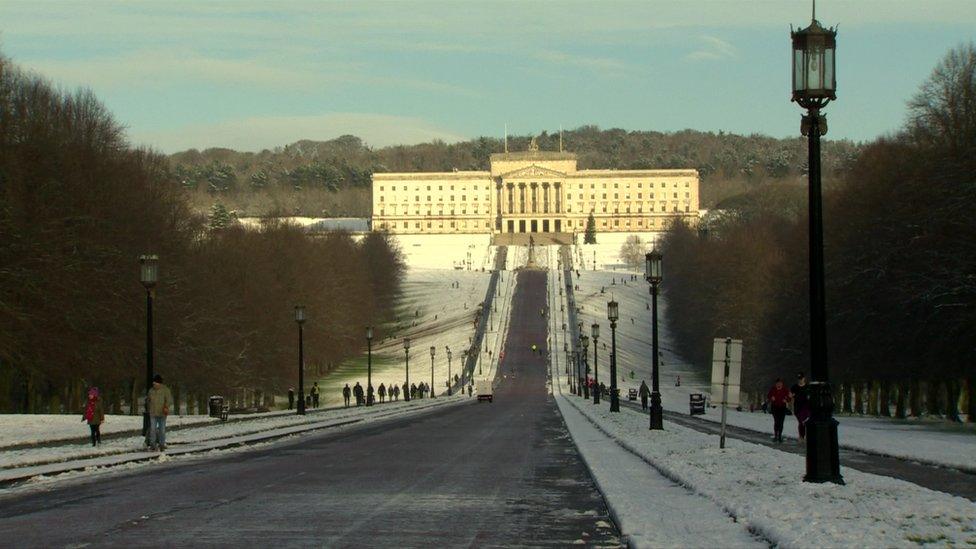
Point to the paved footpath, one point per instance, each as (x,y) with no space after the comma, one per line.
(505,473)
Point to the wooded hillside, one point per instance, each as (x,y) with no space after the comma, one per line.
(332,177)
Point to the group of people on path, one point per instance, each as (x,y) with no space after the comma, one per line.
(391,393)
(159,401)
(311,399)
(779,399)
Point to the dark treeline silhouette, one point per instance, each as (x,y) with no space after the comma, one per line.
(900,246)
(333,177)
(78,206)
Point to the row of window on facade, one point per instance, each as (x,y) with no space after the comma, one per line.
(416,198)
(475,225)
(586,207)
(616,185)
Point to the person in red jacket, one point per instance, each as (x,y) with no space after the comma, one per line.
(779,399)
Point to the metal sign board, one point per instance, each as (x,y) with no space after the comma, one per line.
(718,371)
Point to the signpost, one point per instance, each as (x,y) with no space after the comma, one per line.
(726,376)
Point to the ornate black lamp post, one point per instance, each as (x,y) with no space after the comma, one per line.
(149,276)
(814,85)
(406,356)
(653,274)
(574,383)
(595,332)
(612,315)
(300,319)
(449,371)
(585,343)
(369,365)
(432,351)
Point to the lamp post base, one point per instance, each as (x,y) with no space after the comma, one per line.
(823,456)
(657,413)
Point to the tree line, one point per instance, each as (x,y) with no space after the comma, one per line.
(78,206)
(900,250)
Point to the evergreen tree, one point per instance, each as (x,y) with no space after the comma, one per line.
(219,217)
(590,236)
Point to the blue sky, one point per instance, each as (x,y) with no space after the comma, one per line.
(252,75)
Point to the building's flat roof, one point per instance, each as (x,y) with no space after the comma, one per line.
(634,173)
(432,175)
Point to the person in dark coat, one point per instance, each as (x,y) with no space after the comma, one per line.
(315,394)
(644,393)
(94,415)
(413,390)
(291,398)
(369,395)
(346,392)
(779,399)
(358,391)
(470,389)
(396,392)
(382,392)
(800,394)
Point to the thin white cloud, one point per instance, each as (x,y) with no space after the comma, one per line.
(151,68)
(712,48)
(257,133)
(596,64)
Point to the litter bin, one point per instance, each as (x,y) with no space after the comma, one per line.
(696,403)
(217,407)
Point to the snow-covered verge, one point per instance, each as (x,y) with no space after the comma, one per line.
(211,432)
(650,509)
(763,491)
(17,429)
(930,442)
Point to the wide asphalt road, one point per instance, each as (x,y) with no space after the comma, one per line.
(500,474)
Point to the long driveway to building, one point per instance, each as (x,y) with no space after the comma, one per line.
(500,474)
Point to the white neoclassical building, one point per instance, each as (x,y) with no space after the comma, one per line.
(533,192)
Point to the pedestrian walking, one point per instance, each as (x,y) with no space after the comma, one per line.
(396,392)
(779,398)
(315,394)
(413,390)
(159,401)
(346,392)
(369,395)
(94,415)
(644,393)
(800,394)
(470,389)
(291,398)
(358,392)
(382,392)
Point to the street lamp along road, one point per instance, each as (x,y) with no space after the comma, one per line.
(814,85)
(406,353)
(149,276)
(432,351)
(654,275)
(595,332)
(612,315)
(300,319)
(585,342)
(448,371)
(369,365)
